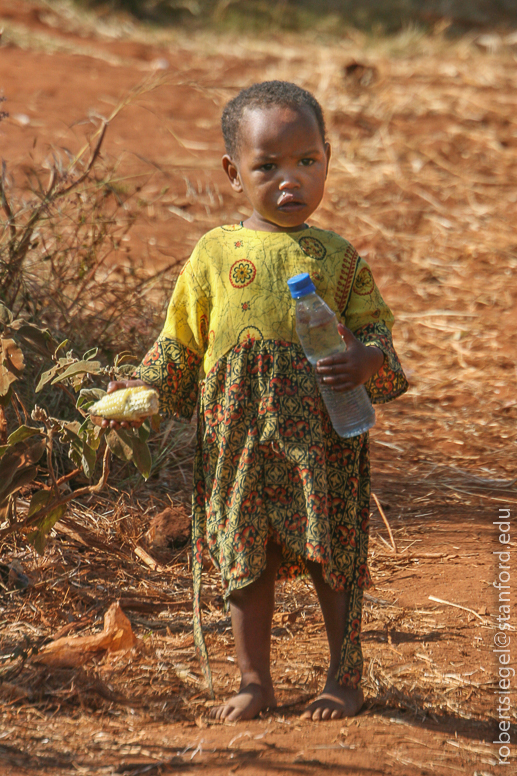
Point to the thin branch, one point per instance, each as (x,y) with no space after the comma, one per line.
(458,606)
(385,519)
(69,476)
(5,204)
(50,465)
(93,159)
(52,183)
(86,491)
(22,405)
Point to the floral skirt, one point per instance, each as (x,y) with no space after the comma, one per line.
(269,465)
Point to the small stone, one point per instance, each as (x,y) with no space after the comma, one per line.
(22,119)
(160,64)
(489,42)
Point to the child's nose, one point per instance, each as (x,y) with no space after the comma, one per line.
(288,180)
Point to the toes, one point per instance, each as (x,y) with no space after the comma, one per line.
(323,709)
(217,712)
(234,715)
(245,705)
(229,713)
(334,703)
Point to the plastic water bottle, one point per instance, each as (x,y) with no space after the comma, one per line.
(351,412)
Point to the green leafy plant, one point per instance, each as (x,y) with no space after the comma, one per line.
(28,450)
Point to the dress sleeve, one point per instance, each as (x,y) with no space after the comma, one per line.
(172,365)
(368,316)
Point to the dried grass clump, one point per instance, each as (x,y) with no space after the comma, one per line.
(63,262)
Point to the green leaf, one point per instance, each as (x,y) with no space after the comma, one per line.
(69,432)
(120,443)
(144,431)
(19,457)
(75,455)
(80,367)
(34,337)
(90,354)
(71,425)
(142,457)
(23,476)
(46,377)
(129,447)
(126,372)
(123,358)
(6,315)
(61,345)
(39,500)
(88,460)
(6,398)
(39,537)
(21,433)
(12,363)
(89,433)
(88,396)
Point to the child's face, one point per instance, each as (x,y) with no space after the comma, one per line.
(281,166)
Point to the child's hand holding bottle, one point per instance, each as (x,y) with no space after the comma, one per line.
(353,366)
(340,372)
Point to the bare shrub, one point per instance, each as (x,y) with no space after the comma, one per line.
(62,280)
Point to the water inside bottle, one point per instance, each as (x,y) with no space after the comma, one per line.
(321,340)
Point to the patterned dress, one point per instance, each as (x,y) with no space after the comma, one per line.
(268,461)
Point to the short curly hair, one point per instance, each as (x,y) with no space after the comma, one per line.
(262,95)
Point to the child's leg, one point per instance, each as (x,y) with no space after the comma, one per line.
(251,610)
(336,700)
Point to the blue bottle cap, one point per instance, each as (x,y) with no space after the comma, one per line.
(301,285)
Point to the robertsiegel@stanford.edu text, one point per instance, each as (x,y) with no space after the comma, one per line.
(502,638)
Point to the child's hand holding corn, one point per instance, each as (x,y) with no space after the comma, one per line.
(130,408)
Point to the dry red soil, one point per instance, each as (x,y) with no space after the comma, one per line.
(423,183)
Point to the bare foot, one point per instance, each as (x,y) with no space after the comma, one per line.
(335,702)
(248,702)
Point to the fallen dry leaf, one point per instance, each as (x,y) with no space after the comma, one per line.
(72,651)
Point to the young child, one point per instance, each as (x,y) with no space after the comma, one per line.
(277,493)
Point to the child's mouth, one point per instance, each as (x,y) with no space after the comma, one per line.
(288,202)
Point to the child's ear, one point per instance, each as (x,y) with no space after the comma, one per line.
(232,172)
(328,154)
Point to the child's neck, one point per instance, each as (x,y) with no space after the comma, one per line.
(258,225)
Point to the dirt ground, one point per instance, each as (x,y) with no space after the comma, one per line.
(423,183)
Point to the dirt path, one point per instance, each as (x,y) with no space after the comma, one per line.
(423,183)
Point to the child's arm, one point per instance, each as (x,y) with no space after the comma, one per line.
(172,364)
(351,368)
(369,322)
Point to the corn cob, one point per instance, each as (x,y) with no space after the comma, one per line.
(127,404)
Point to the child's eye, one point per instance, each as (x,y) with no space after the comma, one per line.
(267,167)
(307,162)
